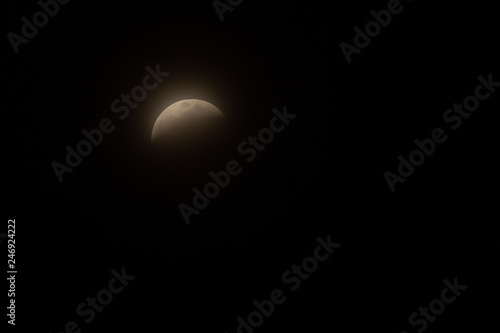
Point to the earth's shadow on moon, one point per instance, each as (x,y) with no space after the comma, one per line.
(183,157)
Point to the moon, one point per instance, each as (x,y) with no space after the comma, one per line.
(184,119)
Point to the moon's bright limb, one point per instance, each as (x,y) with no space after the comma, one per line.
(181,115)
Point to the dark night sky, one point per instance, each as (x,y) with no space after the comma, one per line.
(322,175)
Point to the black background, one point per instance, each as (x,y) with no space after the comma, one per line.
(322,175)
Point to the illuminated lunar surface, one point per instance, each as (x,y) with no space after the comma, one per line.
(183,118)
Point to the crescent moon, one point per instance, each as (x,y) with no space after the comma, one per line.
(181,116)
